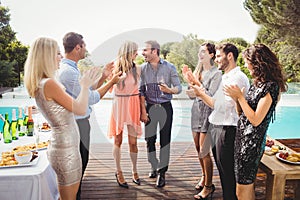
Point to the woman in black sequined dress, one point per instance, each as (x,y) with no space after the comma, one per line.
(256,110)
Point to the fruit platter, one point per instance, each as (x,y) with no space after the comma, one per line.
(287,157)
(271,148)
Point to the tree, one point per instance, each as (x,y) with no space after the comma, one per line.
(280,30)
(12,52)
(139,60)
(280,16)
(6,70)
(17,53)
(165,49)
(184,52)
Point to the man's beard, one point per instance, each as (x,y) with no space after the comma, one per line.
(224,64)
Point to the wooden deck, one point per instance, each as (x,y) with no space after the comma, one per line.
(99,181)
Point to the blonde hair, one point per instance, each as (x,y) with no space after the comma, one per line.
(41,63)
(124,61)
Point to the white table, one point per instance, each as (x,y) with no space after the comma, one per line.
(30,182)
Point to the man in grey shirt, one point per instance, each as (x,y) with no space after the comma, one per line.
(159,80)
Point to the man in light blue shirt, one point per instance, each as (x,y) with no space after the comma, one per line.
(159,80)
(75,50)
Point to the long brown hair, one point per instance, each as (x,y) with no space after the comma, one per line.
(125,62)
(266,66)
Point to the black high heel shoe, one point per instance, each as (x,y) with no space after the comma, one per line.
(212,190)
(136,179)
(198,186)
(120,174)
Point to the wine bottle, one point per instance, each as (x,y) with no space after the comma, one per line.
(25,120)
(3,119)
(30,122)
(6,133)
(20,122)
(13,126)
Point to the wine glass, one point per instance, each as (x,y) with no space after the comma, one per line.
(36,139)
(36,131)
(160,82)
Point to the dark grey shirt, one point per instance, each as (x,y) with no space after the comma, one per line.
(149,81)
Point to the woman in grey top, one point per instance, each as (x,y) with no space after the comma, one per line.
(206,75)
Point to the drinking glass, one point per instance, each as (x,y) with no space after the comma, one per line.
(160,81)
(36,138)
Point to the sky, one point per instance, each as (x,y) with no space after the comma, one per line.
(99,20)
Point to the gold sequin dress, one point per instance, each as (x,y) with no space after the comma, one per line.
(63,150)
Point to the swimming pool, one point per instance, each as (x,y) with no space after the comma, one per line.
(286,125)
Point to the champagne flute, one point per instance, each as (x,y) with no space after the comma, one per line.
(160,82)
(36,139)
(36,132)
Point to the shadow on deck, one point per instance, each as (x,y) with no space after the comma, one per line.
(99,181)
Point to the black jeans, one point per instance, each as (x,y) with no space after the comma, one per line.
(223,151)
(162,115)
(84,130)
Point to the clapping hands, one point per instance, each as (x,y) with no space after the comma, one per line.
(189,76)
(117,77)
(199,91)
(89,77)
(233,91)
(107,70)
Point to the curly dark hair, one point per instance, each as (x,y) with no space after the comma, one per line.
(266,66)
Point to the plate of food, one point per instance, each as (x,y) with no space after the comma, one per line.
(274,149)
(9,160)
(45,127)
(291,158)
(31,147)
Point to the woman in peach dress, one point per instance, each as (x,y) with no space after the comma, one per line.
(125,115)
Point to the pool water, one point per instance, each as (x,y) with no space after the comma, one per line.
(8,110)
(286,124)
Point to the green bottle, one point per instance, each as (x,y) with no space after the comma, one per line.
(14,126)
(1,132)
(6,133)
(20,123)
(25,120)
(30,123)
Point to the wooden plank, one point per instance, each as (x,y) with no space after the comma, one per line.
(291,143)
(184,171)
